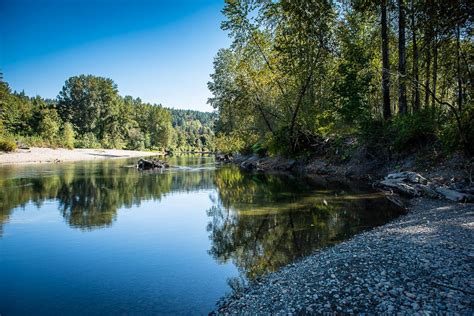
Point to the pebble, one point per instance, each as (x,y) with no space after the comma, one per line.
(408,266)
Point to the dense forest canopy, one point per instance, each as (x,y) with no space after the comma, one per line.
(90,113)
(194,130)
(396,73)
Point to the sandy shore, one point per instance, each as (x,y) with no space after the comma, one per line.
(49,155)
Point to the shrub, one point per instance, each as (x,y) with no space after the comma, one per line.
(7,145)
(68,136)
(413,130)
(259,149)
(88,140)
(49,126)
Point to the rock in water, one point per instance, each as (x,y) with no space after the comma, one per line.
(151,164)
(224,158)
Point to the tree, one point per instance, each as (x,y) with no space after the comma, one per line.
(49,125)
(385,63)
(416,78)
(90,103)
(402,97)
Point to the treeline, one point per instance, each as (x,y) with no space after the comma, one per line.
(393,73)
(194,130)
(90,113)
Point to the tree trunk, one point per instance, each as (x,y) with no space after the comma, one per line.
(458,48)
(303,90)
(416,86)
(435,72)
(402,95)
(385,64)
(428,65)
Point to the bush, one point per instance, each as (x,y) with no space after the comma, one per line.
(88,140)
(7,145)
(413,130)
(68,136)
(35,141)
(259,149)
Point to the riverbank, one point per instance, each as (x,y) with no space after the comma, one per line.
(49,155)
(421,262)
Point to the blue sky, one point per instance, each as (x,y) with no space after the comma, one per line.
(158,50)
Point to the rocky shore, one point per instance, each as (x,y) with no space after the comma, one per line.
(421,263)
(452,180)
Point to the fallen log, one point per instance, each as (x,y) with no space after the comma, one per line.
(413,184)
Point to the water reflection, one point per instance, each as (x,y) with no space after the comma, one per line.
(258,222)
(89,194)
(264,222)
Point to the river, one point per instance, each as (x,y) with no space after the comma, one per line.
(103,238)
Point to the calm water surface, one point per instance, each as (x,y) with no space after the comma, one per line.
(97,237)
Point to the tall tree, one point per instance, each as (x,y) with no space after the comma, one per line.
(458,66)
(427,45)
(385,63)
(402,97)
(435,71)
(416,84)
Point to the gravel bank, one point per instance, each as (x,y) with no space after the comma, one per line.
(422,262)
(49,155)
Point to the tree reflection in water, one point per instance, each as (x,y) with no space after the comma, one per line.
(264,222)
(259,222)
(89,194)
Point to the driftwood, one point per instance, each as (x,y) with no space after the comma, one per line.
(151,164)
(413,184)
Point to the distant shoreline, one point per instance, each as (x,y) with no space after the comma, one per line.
(35,155)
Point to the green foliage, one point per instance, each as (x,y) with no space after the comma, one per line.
(193,130)
(229,144)
(88,140)
(300,70)
(259,149)
(68,136)
(94,115)
(7,144)
(49,125)
(90,103)
(354,73)
(135,139)
(412,131)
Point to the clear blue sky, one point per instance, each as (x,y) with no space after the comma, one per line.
(158,50)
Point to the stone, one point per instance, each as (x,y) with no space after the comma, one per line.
(407,176)
(454,195)
(400,187)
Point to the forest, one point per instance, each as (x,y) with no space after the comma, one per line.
(90,113)
(388,75)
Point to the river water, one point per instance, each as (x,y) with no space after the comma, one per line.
(102,238)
